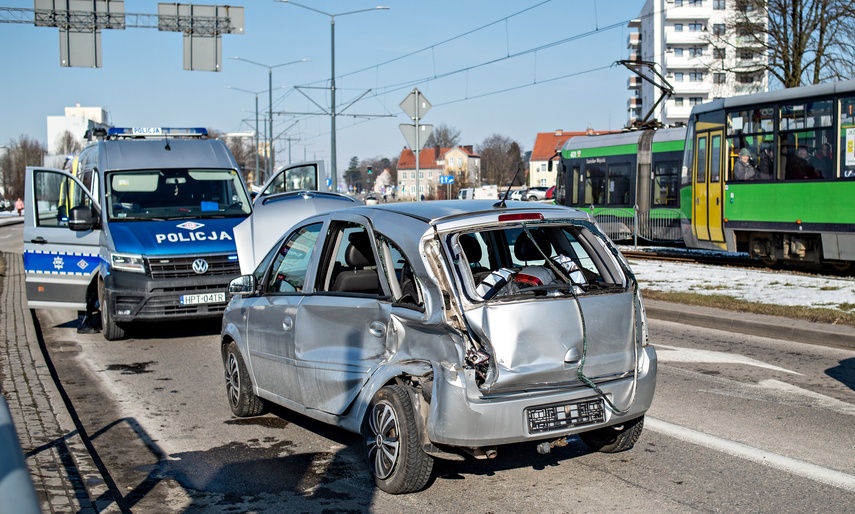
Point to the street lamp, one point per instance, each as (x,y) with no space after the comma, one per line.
(267,138)
(332,77)
(272,164)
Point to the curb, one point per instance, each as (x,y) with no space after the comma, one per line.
(836,336)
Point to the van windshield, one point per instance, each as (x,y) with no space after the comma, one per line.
(175,193)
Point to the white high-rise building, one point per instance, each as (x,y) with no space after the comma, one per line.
(697,50)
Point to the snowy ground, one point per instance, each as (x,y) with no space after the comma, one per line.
(753,285)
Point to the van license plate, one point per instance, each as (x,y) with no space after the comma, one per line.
(545,418)
(195,299)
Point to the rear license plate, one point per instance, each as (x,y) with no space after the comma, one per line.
(195,299)
(545,418)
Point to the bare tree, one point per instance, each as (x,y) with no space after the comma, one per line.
(67,144)
(443,136)
(19,154)
(501,157)
(805,41)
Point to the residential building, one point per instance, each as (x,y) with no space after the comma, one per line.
(77,120)
(699,53)
(461,162)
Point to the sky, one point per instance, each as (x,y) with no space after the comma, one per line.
(508,67)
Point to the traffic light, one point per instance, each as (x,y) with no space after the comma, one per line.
(369,170)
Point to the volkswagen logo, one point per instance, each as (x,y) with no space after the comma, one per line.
(200,266)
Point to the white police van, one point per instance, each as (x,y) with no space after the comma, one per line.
(143,222)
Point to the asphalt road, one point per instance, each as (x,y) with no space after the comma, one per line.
(739,424)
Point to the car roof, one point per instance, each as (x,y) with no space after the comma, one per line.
(441,210)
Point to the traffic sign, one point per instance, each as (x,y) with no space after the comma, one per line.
(409,132)
(446,179)
(415,104)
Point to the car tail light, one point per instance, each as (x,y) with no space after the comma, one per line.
(521,216)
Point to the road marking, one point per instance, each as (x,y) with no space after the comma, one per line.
(743,451)
(667,353)
(817,400)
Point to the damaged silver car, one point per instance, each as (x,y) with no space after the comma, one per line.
(439,329)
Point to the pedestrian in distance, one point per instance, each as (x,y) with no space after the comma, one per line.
(19,206)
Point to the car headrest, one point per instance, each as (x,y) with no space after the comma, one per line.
(471,248)
(358,252)
(527,250)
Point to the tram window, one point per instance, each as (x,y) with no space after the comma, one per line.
(806,115)
(715,159)
(619,182)
(688,156)
(666,183)
(701,169)
(847,138)
(595,185)
(574,186)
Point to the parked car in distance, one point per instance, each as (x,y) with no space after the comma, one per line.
(536,193)
(371,200)
(518,194)
(443,328)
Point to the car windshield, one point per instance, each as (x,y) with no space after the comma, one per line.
(175,193)
(537,260)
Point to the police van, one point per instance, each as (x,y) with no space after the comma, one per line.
(144,224)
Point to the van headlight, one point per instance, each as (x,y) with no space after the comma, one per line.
(128,262)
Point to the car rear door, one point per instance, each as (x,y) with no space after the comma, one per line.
(60,263)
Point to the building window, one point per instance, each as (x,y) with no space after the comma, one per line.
(696,27)
(718,29)
(430,175)
(745,78)
(678,101)
(421,174)
(678,3)
(678,27)
(719,78)
(678,76)
(719,53)
(719,5)
(695,100)
(696,3)
(412,174)
(696,76)
(696,52)
(678,52)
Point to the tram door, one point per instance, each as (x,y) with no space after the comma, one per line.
(707,209)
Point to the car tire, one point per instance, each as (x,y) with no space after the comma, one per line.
(532,198)
(111,330)
(392,444)
(242,399)
(614,439)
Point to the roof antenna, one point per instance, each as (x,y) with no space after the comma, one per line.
(501,203)
(167,147)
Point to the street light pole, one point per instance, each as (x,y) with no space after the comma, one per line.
(333,153)
(271,164)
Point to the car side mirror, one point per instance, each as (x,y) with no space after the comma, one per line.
(244,284)
(82,218)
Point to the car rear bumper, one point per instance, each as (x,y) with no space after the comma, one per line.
(462,417)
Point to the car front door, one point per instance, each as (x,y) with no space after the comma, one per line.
(60,263)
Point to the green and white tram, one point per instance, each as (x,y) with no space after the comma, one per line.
(629,181)
(773,174)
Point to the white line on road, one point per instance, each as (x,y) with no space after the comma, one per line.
(743,451)
(667,353)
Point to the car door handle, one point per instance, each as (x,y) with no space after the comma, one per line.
(287,323)
(377,328)
(39,240)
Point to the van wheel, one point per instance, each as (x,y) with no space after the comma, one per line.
(614,439)
(392,443)
(242,399)
(112,331)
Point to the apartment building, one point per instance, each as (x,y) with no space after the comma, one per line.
(699,50)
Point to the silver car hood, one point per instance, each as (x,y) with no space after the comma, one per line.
(538,343)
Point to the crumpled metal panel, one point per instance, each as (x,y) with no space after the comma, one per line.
(530,339)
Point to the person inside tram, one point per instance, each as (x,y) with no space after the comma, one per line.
(822,161)
(799,166)
(766,166)
(743,169)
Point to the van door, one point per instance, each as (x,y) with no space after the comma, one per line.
(59,262)
(302,176)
